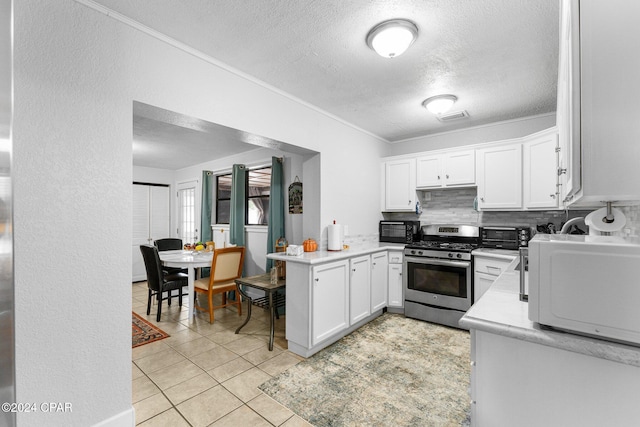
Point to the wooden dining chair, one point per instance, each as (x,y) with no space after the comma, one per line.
(226,266)
(158,282)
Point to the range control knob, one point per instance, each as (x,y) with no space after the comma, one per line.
(450,255)
(459,256)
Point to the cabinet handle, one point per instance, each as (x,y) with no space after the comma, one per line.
(553,196)
(317,279)
(409,202)
(482,199)
(447,176)
(353,269)
(438,176)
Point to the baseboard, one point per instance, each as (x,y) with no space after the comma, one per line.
(123,419)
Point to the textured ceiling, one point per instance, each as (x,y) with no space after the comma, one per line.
(499,57)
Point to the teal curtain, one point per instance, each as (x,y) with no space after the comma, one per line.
(206,212)
(276,207)
(237,209)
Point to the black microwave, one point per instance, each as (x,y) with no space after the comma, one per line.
(399,231)
(505,237)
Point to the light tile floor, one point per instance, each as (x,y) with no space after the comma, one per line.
(206,375)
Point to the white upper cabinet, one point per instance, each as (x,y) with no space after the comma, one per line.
(568,111)
(539,173)
(429,171)
(451,169)
(399,187)
(499,176)
(599,62)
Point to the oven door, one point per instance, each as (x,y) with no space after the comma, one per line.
(438,282)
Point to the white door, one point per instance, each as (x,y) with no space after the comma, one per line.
(187,228)
(151,220)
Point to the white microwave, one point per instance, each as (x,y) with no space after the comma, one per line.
(586,284)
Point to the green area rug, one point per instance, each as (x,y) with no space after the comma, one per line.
(393,371)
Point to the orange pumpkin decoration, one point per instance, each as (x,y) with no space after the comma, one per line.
(310,245)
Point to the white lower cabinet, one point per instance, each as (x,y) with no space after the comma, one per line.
(487,268)
(525,384)
(379,282)
(326,301)
(396,299)
(330,300)
(359,288)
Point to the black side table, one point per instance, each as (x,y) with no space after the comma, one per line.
(270,301)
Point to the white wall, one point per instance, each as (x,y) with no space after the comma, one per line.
(77,74)
(487,133)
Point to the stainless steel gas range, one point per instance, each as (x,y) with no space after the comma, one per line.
(438,273)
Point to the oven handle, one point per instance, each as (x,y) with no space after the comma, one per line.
(446,262)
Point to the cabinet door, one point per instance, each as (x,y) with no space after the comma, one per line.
(400,185)
(396,299)
(568,111)
(360,288)
(481,283)
(610,89)
(330,300)
(379,281)
(428,171)
(460,168)
(540,176)
(500,177)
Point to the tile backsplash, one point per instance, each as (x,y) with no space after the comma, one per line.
(455,206)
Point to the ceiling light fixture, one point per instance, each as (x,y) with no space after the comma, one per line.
(391,38)
(439,104)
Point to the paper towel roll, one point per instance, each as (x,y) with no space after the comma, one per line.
(597,225)
(334,235)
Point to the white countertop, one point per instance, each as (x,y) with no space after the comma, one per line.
(319,257)
(507,254)
(501,312)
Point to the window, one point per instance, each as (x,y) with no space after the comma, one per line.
(257,193)
(223,198)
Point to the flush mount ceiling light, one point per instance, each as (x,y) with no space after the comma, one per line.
(391,38)
(439,104)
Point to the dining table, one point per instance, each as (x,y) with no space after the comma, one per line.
(191,260)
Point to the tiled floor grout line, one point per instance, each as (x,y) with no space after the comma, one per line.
(177,323)
(174,406)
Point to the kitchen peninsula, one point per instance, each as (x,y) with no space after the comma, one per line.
(333,293)
(527,375)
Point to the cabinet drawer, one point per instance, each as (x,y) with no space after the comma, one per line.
(491,266)
(395,257)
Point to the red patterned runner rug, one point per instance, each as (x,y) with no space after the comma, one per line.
(144,332)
